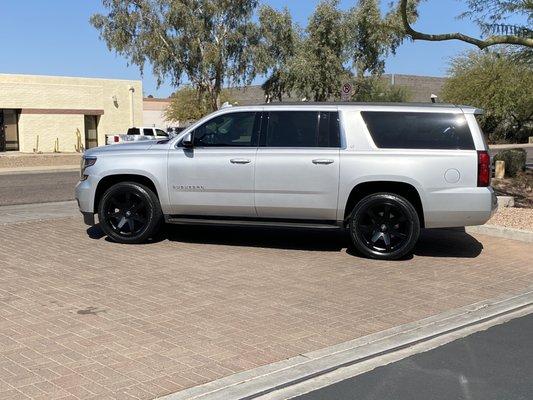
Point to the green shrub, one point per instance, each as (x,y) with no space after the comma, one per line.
(515,160)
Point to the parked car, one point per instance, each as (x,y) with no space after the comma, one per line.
(380,171)
(175,130)
(137,134)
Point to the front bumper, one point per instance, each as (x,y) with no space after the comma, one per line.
(84,194)
(88,218)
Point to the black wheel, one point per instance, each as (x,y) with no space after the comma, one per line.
(384,226)
(129,213)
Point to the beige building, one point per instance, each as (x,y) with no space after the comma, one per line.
(154,112)
(48,113)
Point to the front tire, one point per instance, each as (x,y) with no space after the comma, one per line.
(129,212)
(384,226)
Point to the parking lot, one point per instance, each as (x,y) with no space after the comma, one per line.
(81,317)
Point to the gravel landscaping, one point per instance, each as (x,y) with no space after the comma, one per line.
(517,218)
(520,187)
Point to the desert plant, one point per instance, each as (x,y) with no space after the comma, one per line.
(515,160)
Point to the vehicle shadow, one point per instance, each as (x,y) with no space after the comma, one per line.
(278,238)
(454,243)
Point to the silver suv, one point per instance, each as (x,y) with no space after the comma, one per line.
(380,171)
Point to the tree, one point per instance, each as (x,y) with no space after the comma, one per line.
(208,42)
(371,38)
(318,68)
(377,89)
(187,104)
(499,84)
(336,46)
(279,38)
(491,16)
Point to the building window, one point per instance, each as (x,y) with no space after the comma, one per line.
(91,131)
(9,135)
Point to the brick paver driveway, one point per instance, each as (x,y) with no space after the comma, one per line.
(81,317)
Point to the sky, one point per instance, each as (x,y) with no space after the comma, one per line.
(54,37)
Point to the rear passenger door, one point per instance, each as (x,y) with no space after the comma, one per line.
(297,167)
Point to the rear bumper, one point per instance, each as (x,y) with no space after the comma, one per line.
(459,207)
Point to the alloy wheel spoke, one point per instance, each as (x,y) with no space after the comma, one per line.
(138,218)
(397,233)
(376,236)
(386,213)
(372,216)
(122,222)
(115,214)
(366,228)
(131,225)
(386,239)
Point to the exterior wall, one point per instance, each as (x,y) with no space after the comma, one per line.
(420,87)
(54,107)
(154,113)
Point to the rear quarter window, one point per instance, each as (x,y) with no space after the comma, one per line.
(411,130)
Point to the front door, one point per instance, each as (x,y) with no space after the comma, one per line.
(2,132)
(297,171)
(91,131)
(216,176)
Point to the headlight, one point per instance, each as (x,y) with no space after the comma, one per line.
(86,162)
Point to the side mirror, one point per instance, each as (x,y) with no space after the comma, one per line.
(188,141)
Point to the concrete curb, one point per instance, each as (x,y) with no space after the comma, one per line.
(270,378)
(38,170)
(510,146)
(14,214)
(501,232)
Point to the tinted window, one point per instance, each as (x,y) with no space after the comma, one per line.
(328,130)
(302,129)
(160,132)
(228,130)
(134,131)
(148,132)
(404,130)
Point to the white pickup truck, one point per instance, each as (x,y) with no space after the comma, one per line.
(137,134)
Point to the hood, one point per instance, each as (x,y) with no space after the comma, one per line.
(132,146)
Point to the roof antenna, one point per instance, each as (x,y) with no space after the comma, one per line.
(434,98)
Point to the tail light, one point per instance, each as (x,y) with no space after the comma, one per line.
(483,169)
(116,138)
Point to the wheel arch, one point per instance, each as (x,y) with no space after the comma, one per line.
(402,188)
(107,181)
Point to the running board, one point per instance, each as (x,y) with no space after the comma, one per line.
(186,220)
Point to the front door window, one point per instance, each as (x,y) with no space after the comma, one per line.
(228,130)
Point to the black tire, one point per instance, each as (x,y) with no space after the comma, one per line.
(384,226)
(129,213)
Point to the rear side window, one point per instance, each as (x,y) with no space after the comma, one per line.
(302,129)
(408,130)
(134,131)
(148,132)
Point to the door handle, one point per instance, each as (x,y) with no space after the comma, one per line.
(240,161)
(323,162)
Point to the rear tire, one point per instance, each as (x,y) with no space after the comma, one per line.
(129,213)
(384,226)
